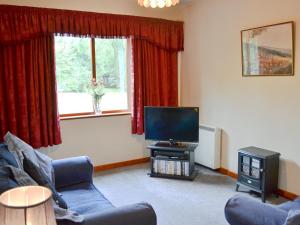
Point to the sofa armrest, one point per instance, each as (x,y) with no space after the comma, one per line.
(241,210)
(72,171)
(136,214)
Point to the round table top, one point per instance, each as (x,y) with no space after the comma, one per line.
(25,197)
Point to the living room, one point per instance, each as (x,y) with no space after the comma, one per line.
(251,110)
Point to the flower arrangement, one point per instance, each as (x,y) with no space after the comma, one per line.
(96,90)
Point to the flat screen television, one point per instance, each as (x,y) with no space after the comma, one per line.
(173,124)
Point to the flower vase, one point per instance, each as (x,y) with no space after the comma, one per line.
(97,106)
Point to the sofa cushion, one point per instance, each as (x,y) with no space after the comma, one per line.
(287,206)
(293,218)
(241,210)
(85,199)
(7,156)
(6,180)
(41,178)
(21,177)
(45,163)
(20,148)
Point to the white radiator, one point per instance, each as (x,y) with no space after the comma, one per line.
(208,152)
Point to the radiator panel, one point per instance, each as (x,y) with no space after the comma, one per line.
(208,152)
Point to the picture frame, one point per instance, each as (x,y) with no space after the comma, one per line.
(268,50)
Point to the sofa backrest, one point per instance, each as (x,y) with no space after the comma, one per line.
(6,178)
(6,157)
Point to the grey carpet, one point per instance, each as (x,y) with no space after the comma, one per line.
(176,202)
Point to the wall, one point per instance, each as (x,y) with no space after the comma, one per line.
(126,7)
(106,139)
(261,111)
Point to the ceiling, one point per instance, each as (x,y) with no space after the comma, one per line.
(187,1)
(181,1)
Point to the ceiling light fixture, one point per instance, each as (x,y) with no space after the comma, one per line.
(158,3)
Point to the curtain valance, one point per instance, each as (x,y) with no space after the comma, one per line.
(18,23)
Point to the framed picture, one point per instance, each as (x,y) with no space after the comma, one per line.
(268,50)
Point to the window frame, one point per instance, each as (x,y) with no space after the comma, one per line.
(94,76)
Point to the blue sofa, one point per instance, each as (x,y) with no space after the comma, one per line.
(74,180)
(241,210)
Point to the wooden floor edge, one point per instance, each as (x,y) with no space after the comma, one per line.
(121,164)
(283,193)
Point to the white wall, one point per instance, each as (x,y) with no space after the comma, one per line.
(104,139)
(259,111)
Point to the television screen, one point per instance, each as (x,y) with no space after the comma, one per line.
(179,124)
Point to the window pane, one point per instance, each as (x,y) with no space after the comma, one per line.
(73,73)
(112,71)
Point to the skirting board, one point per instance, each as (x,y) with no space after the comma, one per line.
(283,193)
(121,164)
(227,172)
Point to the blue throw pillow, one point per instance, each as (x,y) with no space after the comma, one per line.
(41,178)
(6,180)
(293,218)
(6,155)
(19,148)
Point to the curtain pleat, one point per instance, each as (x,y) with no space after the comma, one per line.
(28,103)
(155,80)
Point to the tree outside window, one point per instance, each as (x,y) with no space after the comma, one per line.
(77,66)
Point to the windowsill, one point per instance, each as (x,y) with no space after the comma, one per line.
(74,117)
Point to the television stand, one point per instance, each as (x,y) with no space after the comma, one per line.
(171,144)
(175,161)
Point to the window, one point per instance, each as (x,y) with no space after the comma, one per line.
(78,62)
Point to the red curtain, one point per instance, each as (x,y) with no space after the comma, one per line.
(155,80)
(28,104)
(18,23)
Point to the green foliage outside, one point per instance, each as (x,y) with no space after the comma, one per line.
(74,63)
